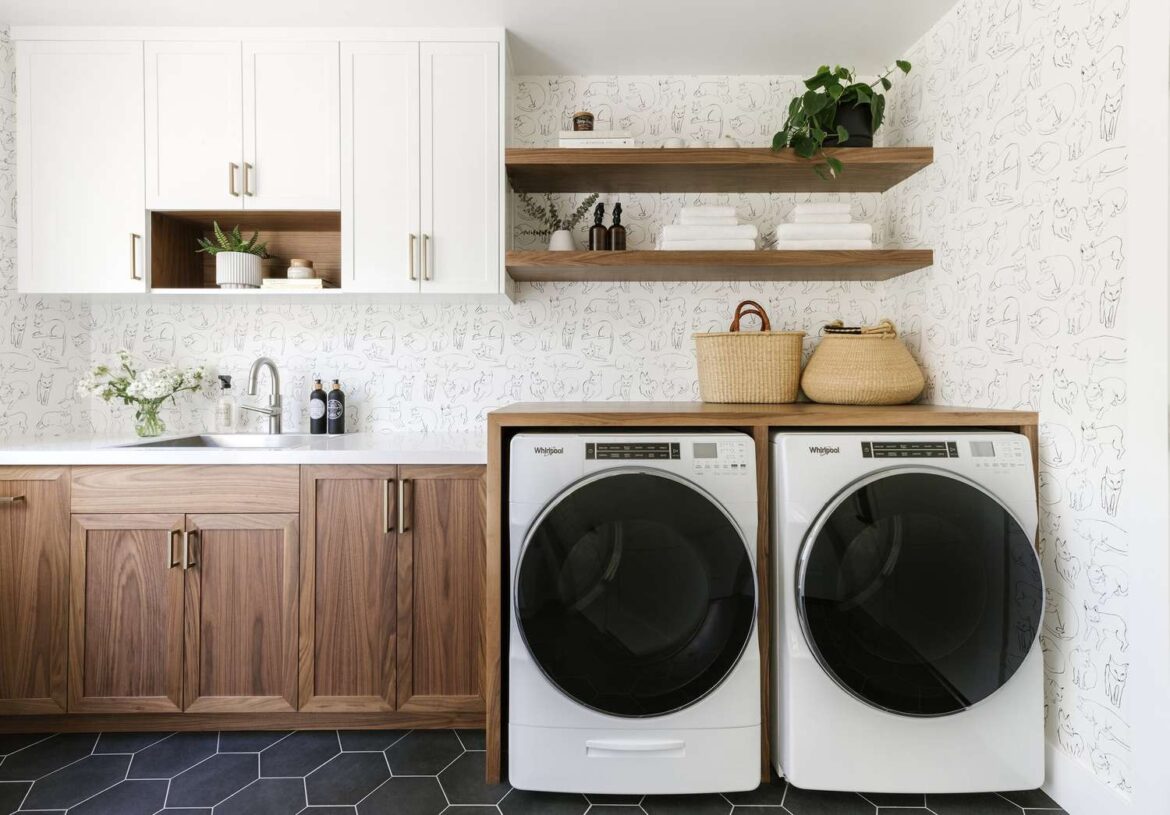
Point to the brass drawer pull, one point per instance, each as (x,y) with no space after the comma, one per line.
(233,169)
(426,268)
(190,540)
(411,255)
(248,168)
(134,238)
(403,523)
(387,523)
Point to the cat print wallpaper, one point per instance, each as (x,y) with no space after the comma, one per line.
(1023,101)
(1025,308)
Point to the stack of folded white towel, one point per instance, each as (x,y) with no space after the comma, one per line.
(823,226)
(715,228)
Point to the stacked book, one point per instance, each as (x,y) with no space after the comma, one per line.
(292,284)
(823,226)
(596,138)
(709,228)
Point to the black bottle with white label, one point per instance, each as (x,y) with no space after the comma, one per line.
(336,410)
(317,399)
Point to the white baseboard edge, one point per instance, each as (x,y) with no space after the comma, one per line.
(1074,787)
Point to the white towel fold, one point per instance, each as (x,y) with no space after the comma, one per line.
(682,232)
(707,220)
(824,232)
(795,245)
(717,245)
(710,212)
(822,208)
(822,218)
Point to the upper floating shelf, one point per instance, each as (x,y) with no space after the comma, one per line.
(749,169)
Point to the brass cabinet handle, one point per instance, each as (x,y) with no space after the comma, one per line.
(173,561)
(188,559)
(7,500)
(426,269)
(134,236)
(248,179)
(196,540)
(411,255)
(233,170)
(387,524)
(403,524)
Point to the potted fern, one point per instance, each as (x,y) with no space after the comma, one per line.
(237,261)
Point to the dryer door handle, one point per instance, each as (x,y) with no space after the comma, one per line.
(615,748)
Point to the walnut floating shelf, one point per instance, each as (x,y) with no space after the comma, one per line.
(756,169)
(660,266)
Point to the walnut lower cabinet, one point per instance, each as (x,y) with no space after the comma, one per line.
(392,571)
(173,612)
(34,570)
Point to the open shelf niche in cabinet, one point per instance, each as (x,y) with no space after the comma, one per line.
(176,266)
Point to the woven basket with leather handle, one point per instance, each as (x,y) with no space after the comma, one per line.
(738,366)
(864,365)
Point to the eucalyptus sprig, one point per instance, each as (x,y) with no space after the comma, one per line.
(548,218)
(812,115)
(232,242)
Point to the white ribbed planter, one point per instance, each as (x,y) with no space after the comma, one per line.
(237,270)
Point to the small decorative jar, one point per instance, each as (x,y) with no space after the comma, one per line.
(300,269)
(582,120)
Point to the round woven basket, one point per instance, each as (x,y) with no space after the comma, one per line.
(862,366)
(759,367)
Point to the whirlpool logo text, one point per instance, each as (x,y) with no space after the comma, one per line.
(550,451)
(824,451)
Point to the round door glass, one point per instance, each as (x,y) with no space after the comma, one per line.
(920,594)
(635,594)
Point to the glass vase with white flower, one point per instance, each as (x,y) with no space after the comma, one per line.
(145,389)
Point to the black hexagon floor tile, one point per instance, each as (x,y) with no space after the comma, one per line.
(476,809)
(620,800)
(73,784)
(329,811)
(463,782)
(686,805)
(127,742)
(902,811)
(39,759)
(11,742)
(12,793)
(821,802)
(405,796)
(770,794)
(299,754)
(1030,799)
(185,811)
(616,809)
(271,796)
(249,741)
(173,755)
(895,799)
(525,802)
(347,778)
(369,740)
(987,803)
(472,739)
(127,798)
(424,752)
(214,780)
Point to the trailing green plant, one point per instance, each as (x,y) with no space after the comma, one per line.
(548,218)
(812,115)
(232,242)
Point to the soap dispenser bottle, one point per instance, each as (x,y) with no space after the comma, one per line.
(225,408)
(336,412)
(598,235)
(317,408)
(617,232)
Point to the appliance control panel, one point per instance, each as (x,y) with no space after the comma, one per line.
(636,451)
(983,453)
(730,457)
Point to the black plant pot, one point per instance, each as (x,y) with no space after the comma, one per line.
(858,120)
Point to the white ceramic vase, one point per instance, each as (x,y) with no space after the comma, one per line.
(561,241)
(237,270)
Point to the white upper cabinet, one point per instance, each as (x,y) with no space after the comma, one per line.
(380,166)
(461,167)
(81,208)
(292,139)
(194,125)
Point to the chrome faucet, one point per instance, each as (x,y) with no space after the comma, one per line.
(273,409)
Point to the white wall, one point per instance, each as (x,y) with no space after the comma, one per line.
(1026,206)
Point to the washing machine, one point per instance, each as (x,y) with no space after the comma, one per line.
(633,661)
(908,606)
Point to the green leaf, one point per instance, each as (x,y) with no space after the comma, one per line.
(817,81)
(835,90)
(878,110)
(805,146)
(844,73)
(780,140)
(842,135)
(824,172)
(862,93)
(219,236)
(904,65)
(887,84)
(814,102)
(835,165)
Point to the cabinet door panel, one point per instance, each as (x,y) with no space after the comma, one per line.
(380,166)
(191,149)
(440,589)
(126,629)
(34,589)
(81,211)
(347,589)
(461,167)
(241,613)
(292,136)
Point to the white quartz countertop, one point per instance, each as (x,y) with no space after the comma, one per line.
(352,448)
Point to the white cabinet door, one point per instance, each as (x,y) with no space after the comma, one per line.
(461,167)
(292,136)
(380,167)
(81,211)
(194,125)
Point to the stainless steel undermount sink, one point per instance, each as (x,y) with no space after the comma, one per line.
(232,441)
